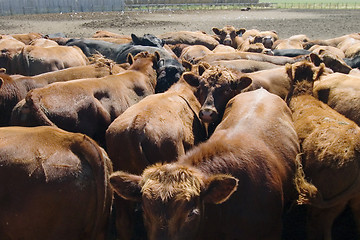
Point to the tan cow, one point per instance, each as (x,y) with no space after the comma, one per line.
(341,92)
(26,38)
(330,156)
(89,105)
(54,185)
(253,150)
(34,60)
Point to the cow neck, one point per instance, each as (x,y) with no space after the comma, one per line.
(186,92)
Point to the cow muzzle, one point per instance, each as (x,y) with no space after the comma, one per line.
(208,115)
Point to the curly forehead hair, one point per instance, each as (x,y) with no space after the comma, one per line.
(171,181)
(218,74)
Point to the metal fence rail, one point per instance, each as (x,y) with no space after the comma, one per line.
(12,7)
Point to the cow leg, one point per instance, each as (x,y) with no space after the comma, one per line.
(320,221)
(355,208)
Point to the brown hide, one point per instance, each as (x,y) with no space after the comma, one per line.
(107,34)
(15,89)
(113,40)
(43,42)
(35,60)
(318,49)
(9,48)
(229,36)
(188,37)
(88,105)
(26,38)
(279,60)
(275,81)
(223,48)
(193,52)
(342,93)
(330,154)
(55,186)
(244,65)
(331,41)
(287,44)
(159,128)
(255,143)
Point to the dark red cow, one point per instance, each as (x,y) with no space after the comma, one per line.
(54,185)
(253,150)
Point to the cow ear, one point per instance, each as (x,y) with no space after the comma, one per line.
(192,79)
(126,185)
(130,58)
(202,68)
(186,64)
(157,55)
(289,71)
(216,30)
(319,71)
(135,39)
(2,70)
(241,83)
(240,32)
(315,59)
(219,188)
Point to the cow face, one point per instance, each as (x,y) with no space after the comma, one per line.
(227,35)
(216,86)
(173,197)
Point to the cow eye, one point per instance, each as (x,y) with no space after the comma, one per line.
(194,213)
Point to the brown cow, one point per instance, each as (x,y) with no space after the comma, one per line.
(14,88)
(34,60)
(159,128)
(229,36)
(279,60)
(55,186)
(107,34)
(43,42)
(89,105)
(192,52)
(342,93)
(331,61)
(330,156)
(26,38)
(254,149)
(331,41)
(9,47)
(189,37)
(244,65)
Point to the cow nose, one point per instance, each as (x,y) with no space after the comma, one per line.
(207,115)
(227,42)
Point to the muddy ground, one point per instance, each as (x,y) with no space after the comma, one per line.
(316,24)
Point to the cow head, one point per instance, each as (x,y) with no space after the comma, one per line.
(216,86)
(267,38)
(173,197)
(227,35)
(169,72)
(331,61)
(147,40)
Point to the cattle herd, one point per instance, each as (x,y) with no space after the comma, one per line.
(184,135)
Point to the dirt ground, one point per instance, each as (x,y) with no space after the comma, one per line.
(316,24)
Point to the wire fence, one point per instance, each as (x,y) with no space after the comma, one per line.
(13,7)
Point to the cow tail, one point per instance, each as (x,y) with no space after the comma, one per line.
(37,110)
(307,191)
